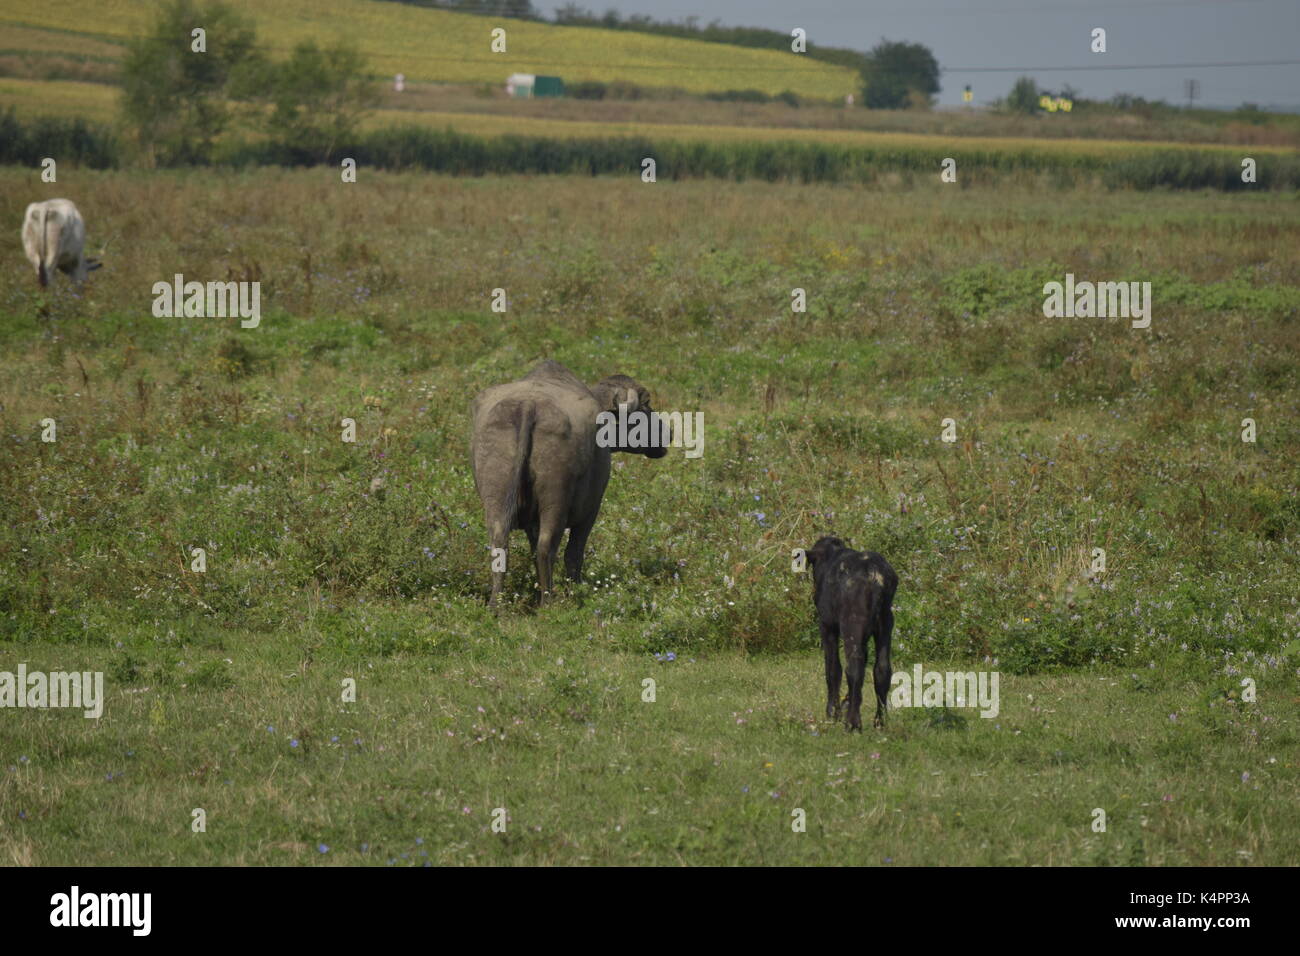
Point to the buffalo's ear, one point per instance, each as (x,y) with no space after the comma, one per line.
(614,391)
(606,395)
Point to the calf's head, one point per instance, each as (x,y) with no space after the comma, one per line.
(647,432)
(825,549)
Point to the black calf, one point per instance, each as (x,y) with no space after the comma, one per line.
(854,595)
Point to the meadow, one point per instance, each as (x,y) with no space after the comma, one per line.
(1121,690)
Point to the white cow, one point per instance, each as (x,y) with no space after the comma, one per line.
(54,237)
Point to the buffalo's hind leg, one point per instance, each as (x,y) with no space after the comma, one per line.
(576,548)
(498,538)
(548,545)
(831,653)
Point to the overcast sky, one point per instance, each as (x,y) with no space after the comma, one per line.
(1040,33)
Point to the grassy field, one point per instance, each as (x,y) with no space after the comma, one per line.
(1189,126)
(462,142)
(66,99)
(96,101)
(64,60)
(1120,691)
(497,125)
(435,45)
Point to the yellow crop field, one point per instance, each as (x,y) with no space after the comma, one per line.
(491,125)
(98,102)
(63,98)
(436,45)
(15,38)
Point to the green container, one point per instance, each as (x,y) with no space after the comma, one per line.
(548,86)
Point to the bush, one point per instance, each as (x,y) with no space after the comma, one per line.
(588,90)
(1023,97)
(739,96)
(73,141)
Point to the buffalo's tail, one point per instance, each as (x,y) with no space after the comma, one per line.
(42,271)
(525,419)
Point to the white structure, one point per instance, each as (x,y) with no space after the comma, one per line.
(520,84)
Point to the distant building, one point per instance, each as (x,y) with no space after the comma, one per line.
(527,85)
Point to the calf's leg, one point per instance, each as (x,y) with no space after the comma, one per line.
(855,664)
(882,673)
(831,653)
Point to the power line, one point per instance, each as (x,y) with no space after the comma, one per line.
(760,67)
(1074,8)
(1118,66)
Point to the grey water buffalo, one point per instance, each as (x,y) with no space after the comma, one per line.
(538,464)
(854,595)
(54,237)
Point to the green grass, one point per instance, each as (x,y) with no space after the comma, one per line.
(924,304)
(544,719)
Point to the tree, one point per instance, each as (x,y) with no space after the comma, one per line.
(573,13)
(1023,97)
(895,71)
(318,97)
(174,98)
(519,9)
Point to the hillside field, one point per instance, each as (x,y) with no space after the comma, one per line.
(437,45)
(1121,690)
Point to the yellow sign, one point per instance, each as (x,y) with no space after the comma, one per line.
(967,95)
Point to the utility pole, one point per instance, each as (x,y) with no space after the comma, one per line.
(1193,88)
